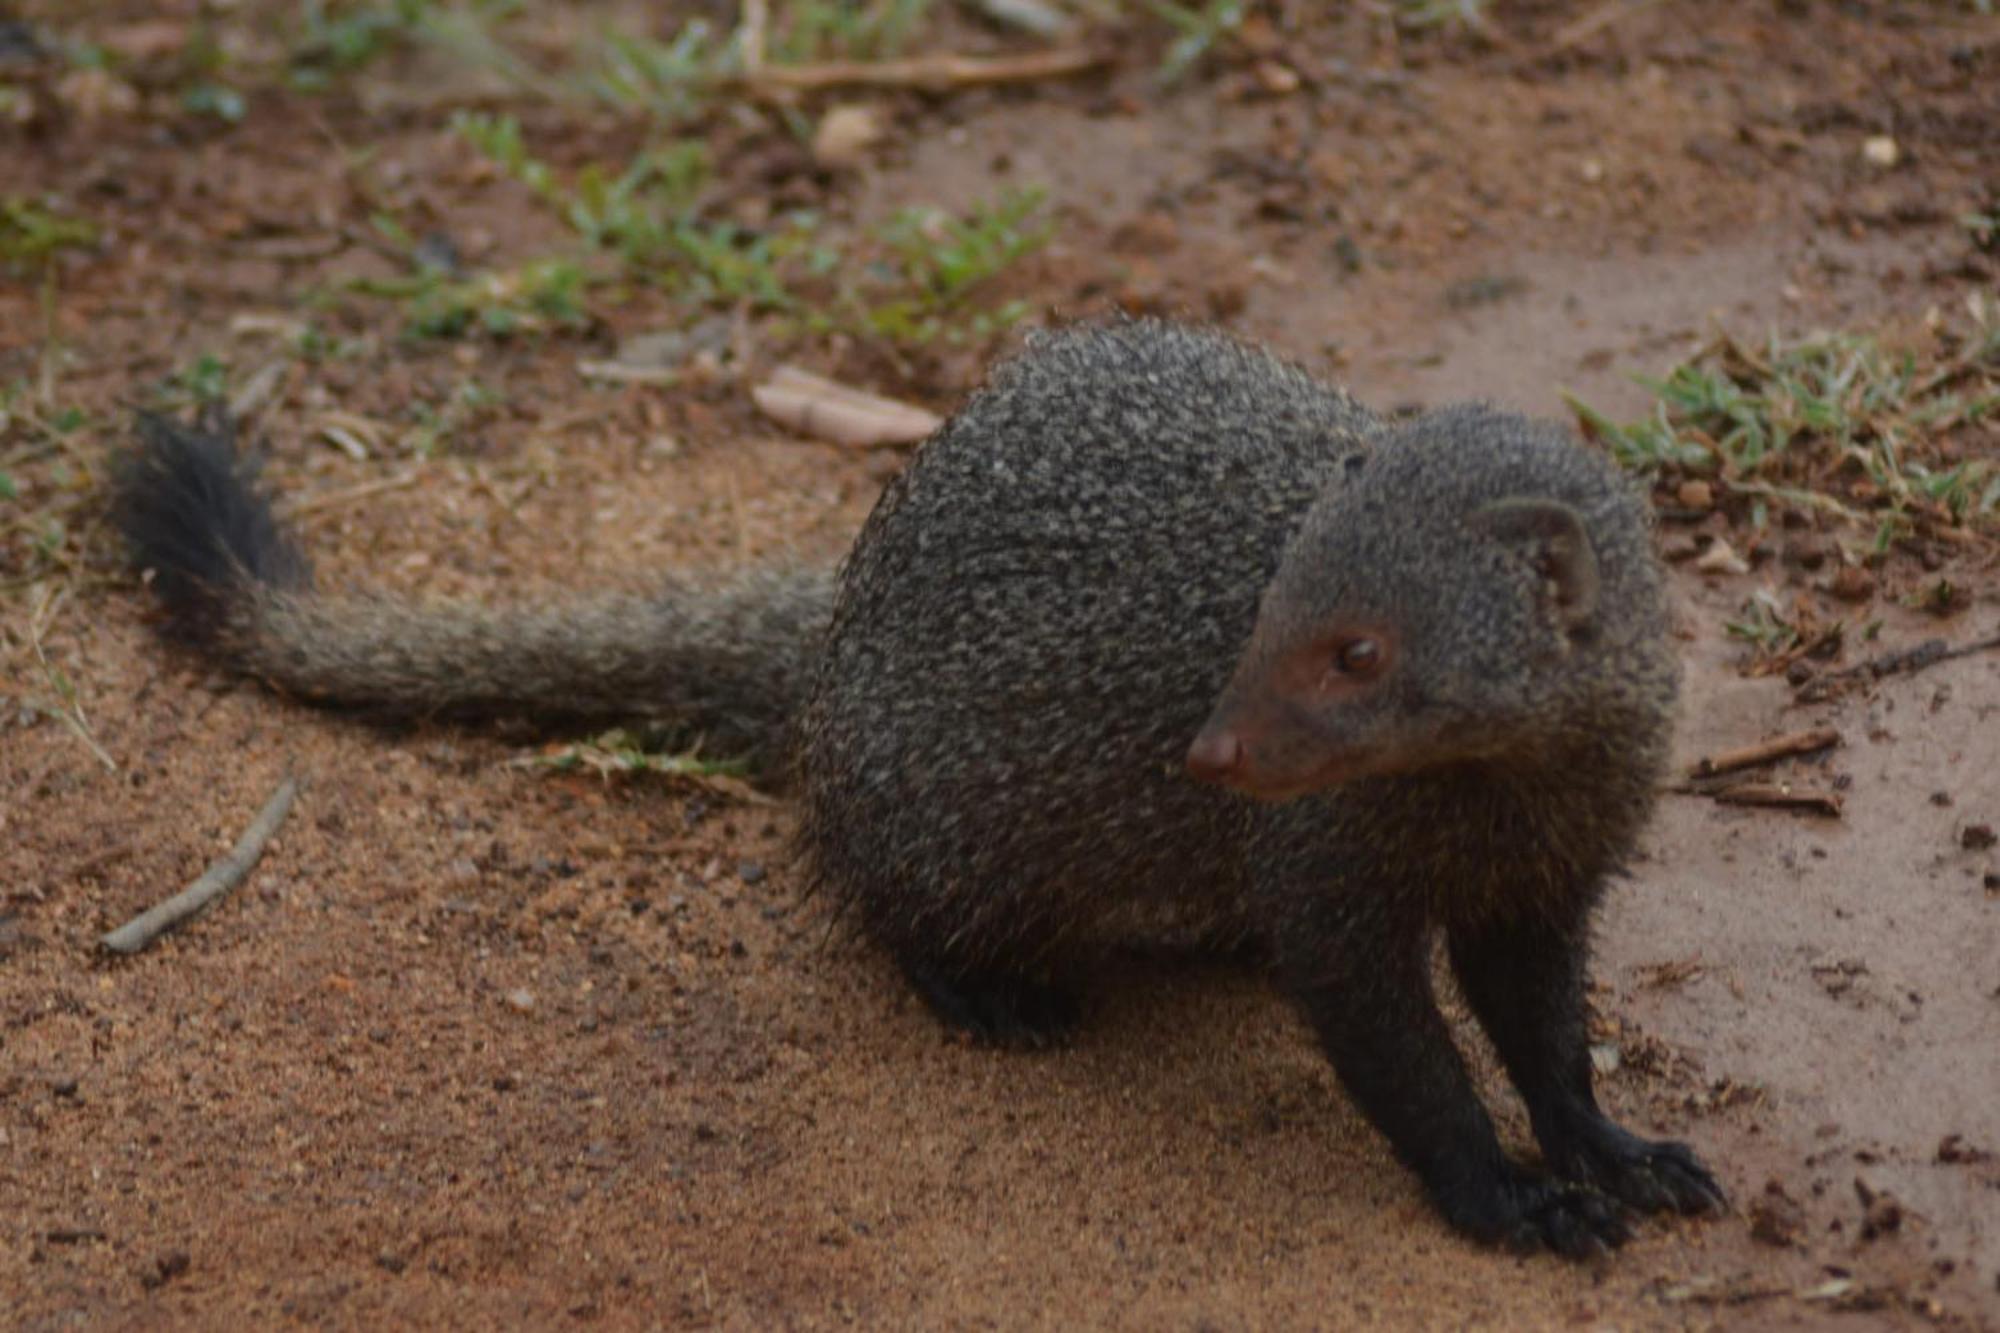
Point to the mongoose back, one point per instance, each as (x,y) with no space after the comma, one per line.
(1156,627)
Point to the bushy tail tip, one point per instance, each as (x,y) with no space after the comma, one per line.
(190,512)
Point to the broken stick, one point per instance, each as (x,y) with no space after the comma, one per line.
(1765,751)
(1783,795)
(215,881)
(1901,662)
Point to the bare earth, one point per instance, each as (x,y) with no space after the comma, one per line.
(478,1045)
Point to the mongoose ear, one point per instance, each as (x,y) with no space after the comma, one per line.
(1550,536)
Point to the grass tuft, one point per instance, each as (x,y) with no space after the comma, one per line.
(1896,433)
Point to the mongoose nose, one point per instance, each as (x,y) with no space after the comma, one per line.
(1215,756)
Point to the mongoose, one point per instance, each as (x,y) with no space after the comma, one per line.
(1155,627)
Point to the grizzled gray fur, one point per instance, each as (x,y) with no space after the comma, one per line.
(1145,573)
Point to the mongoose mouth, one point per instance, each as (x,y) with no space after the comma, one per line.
(1221,759)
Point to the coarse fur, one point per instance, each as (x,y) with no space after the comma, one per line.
(1435,645)
(726,661)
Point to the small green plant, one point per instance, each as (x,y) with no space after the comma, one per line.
(203,382)
(1841,423)
(336,39)
(1197,32)
(440,302)
(531,298)
(438,425)
(941,262)
(219,100)
(1764,626)
(32,234)
(916,279)
(669,81)
(871,30)
(47,474)
(1421,14)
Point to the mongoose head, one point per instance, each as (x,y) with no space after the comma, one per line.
(1461,596)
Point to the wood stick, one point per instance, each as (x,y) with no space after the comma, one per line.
(935,73)
(1765,751)
(1783,795)
(215,881)
(1901,662)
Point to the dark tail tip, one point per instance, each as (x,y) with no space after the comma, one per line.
(189,509)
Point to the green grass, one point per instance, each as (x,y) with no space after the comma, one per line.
(534,297)
(47,476)
(1197,32)
(1877,433)
(941,264)
(438,426)
(922,277)
(1423,14)
(334,40)
(32,234)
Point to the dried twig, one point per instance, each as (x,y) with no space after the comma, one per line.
(215,881)
(1902,662)
(933,73)
(1765,751)
(1783,795)
(1598,19)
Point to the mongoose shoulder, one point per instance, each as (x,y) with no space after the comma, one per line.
(1154,626)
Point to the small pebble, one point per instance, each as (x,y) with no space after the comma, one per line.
(1879,150)
(521,999)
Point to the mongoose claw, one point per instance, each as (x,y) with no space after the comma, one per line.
(1676,1173)
(1648,1176)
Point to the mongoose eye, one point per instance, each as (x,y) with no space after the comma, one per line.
(1358,657)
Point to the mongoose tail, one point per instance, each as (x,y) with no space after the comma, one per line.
(727,660)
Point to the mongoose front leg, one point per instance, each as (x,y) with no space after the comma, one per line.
(1367,993)
(1524,979)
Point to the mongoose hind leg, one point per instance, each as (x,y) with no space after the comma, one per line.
(1362,977)
(1524,979)
(993,1004)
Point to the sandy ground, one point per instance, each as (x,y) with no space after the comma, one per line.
(481,1045)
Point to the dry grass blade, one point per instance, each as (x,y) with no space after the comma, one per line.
(929,73)
(71,710)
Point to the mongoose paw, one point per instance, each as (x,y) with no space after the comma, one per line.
(1647,1176)
(1574,1222)
(996,1008)
(1528,1214)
